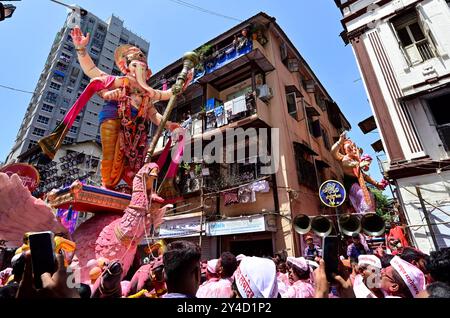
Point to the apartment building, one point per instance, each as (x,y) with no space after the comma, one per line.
(254,80)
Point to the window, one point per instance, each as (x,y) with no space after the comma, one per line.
(291,104)
(62,111)
(320,101)
(73,129)
(65,57)
(75,72)
(31,144)
(66,102)
(69,90)
(306,171)
(94,51)
(47,108)
(326,139)
(51,97)
(68,140)
(58,78)
(77,119)
(43,120)
(416,44)
(39,132)
(439,110)
(55,86)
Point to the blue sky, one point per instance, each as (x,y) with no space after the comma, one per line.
(172,29)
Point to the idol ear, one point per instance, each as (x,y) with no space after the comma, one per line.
(149,73)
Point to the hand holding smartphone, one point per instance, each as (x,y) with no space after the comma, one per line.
(331,256)
(42,246)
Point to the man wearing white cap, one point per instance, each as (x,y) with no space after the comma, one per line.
(221,288)
(211,277)
(256,278)
(299,278)
(402,279)
(367,282)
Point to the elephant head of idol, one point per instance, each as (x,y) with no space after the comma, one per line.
(132,62)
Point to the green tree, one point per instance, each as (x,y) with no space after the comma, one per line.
(383,204)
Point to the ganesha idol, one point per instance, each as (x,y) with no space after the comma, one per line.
(126,115)
(355,167)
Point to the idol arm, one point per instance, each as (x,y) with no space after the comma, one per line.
(335,151)
(87,65)
(370,180)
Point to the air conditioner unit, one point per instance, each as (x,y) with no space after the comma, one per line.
(293,65)
(310,86)
(264,93)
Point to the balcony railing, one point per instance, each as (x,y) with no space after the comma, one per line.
(425,50)
(221,58)
(221,116)
(217,182)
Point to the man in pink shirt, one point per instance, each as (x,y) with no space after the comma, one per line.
(221,288)
(211,278)
(299,278)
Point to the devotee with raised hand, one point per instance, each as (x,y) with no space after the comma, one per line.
(343,283)
(182,269)
(299,279)
(54,285)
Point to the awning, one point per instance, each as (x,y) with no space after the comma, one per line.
(57,72)
(306,148)
(322,164)
(312,111)
(293,89)
(378,146)
(242,225)
(368,125)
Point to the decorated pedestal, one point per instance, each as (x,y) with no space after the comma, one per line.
(89,199)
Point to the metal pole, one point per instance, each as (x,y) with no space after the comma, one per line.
(190,60)
(203,211)
(427,218)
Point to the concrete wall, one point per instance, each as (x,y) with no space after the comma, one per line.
(435,189)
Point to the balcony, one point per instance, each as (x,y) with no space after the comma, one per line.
(229,65)
(192,180)
(222,117)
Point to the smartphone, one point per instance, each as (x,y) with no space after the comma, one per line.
(42,246)
(331,255)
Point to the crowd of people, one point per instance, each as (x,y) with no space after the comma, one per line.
(181,273)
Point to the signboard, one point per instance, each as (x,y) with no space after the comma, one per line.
(27,173)
(332,193)
(187,227)
(253,224)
